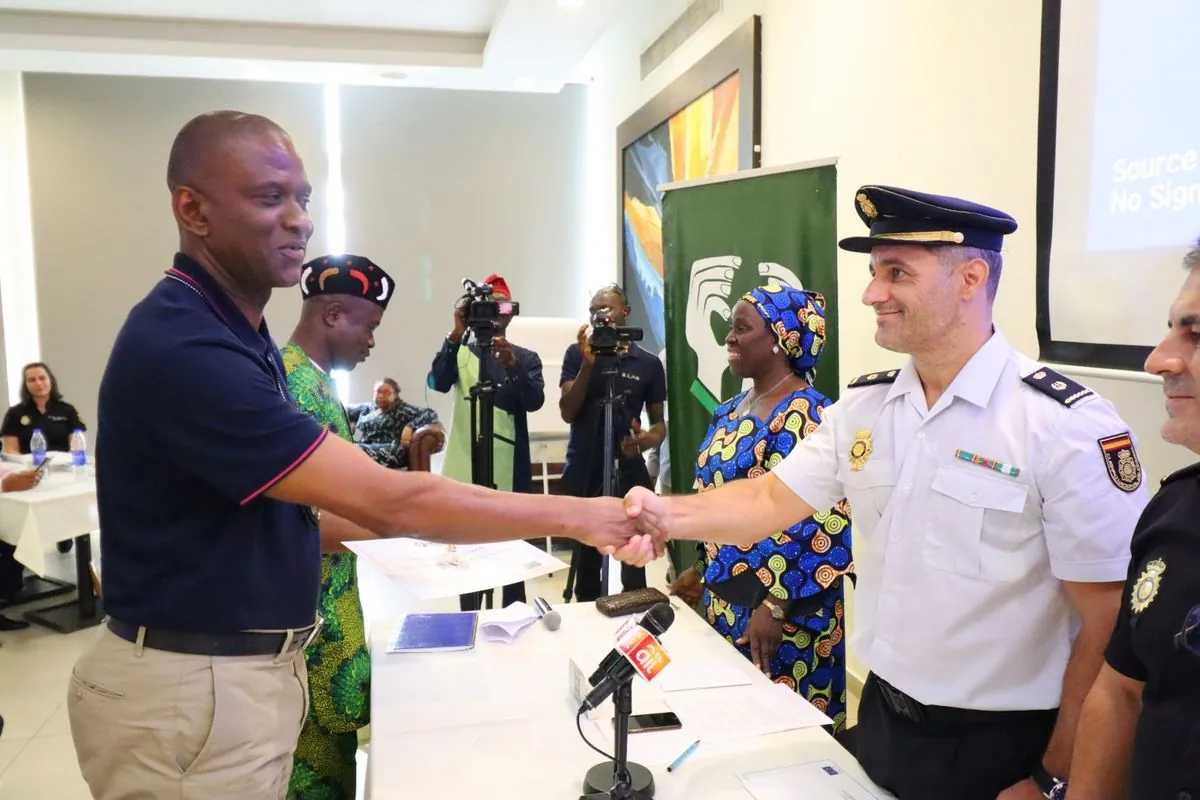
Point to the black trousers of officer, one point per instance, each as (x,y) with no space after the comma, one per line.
(920,752)
(588,559)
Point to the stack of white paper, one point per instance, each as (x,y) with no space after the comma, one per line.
(817,780)
(686,676)
(433,571)
(508,623)
(744,711)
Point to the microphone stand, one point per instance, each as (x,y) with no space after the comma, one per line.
(619,779)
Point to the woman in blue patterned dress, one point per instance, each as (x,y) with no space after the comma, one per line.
(780,601)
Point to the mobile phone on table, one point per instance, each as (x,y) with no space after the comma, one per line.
(45,465)
(642,723)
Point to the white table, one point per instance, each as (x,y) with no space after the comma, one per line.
(498,722)
(62,507)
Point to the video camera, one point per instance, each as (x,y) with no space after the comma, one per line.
(483,312)
(607,336)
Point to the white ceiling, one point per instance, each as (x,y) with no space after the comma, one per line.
(505,45)
(460,16)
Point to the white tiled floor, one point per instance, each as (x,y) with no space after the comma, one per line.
(37,758)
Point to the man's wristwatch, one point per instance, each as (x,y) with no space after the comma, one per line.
(778,613)
(1052,788)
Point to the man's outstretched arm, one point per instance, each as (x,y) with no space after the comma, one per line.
(340,478)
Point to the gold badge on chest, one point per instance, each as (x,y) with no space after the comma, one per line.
(25,421)
(1147,586)
(860,451)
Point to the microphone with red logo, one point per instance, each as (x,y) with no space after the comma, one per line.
(656,620)
(638,652)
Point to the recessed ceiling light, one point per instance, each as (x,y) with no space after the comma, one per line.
(525,84)
(571,3)
(394,75)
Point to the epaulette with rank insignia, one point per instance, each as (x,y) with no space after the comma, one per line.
(873,378)
(1058,386)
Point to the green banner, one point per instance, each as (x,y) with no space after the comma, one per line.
(721,240)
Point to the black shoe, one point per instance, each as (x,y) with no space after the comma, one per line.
(66,545)
(7,624)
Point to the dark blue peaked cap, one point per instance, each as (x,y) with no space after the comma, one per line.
(902,216)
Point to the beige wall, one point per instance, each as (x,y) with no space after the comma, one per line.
(442,186)
(102,224)
(439,185)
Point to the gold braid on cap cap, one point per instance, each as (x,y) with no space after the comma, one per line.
(949,237)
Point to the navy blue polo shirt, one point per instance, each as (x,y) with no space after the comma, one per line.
(195,424)
(640,381)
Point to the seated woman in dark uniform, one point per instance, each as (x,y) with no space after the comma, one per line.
(41,408)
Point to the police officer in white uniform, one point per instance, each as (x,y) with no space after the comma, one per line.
(994,501)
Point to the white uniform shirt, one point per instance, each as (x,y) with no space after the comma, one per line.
(959,600)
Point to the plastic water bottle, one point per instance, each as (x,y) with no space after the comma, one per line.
(37,447)
(78,453)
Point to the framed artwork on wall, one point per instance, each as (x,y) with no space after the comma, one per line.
(706,123)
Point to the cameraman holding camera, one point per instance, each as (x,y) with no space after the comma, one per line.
(516,373)
(640,381)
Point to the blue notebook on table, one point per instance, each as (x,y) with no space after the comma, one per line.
(428,633)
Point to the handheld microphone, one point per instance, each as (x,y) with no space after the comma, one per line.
(550,618)
(637,652)
(656,620)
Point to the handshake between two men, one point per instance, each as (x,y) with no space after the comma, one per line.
(738,513)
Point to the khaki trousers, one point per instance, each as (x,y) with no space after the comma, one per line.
(169,725)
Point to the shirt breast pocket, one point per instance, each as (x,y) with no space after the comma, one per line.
(961,505)
(868,490)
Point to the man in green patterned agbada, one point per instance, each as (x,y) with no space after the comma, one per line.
(344,300)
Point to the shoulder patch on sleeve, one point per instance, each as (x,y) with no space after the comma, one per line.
(874,378)
(1120,456)
(1057,386)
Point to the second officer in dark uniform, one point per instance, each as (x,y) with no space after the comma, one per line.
(1139,734)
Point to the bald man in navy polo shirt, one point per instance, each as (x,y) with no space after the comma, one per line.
(211,505)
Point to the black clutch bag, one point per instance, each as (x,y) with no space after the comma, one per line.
(634,602)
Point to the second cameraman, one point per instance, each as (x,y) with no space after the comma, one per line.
(517,373)
(639,382)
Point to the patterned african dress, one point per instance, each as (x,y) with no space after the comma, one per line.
(339,666)
(802,566)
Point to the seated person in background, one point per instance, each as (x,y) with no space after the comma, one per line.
(12,574)
(779,602)
(521,390)
(394,433)
(41,408)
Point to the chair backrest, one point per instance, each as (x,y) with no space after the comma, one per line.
(420,452)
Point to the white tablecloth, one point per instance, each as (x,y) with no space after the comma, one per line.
(497,721)
(61,507)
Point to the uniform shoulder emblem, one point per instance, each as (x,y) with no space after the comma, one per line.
(1057,386)
(1147,586)
(1124,469)
(874,378)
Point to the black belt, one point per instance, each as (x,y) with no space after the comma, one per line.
(913,710)
(218,644)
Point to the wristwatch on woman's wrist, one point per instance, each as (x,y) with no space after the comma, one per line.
(1052,788)
(778,613)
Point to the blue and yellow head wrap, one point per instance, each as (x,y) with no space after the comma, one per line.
(797,319)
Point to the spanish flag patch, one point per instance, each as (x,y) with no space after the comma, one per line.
(1120,457)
